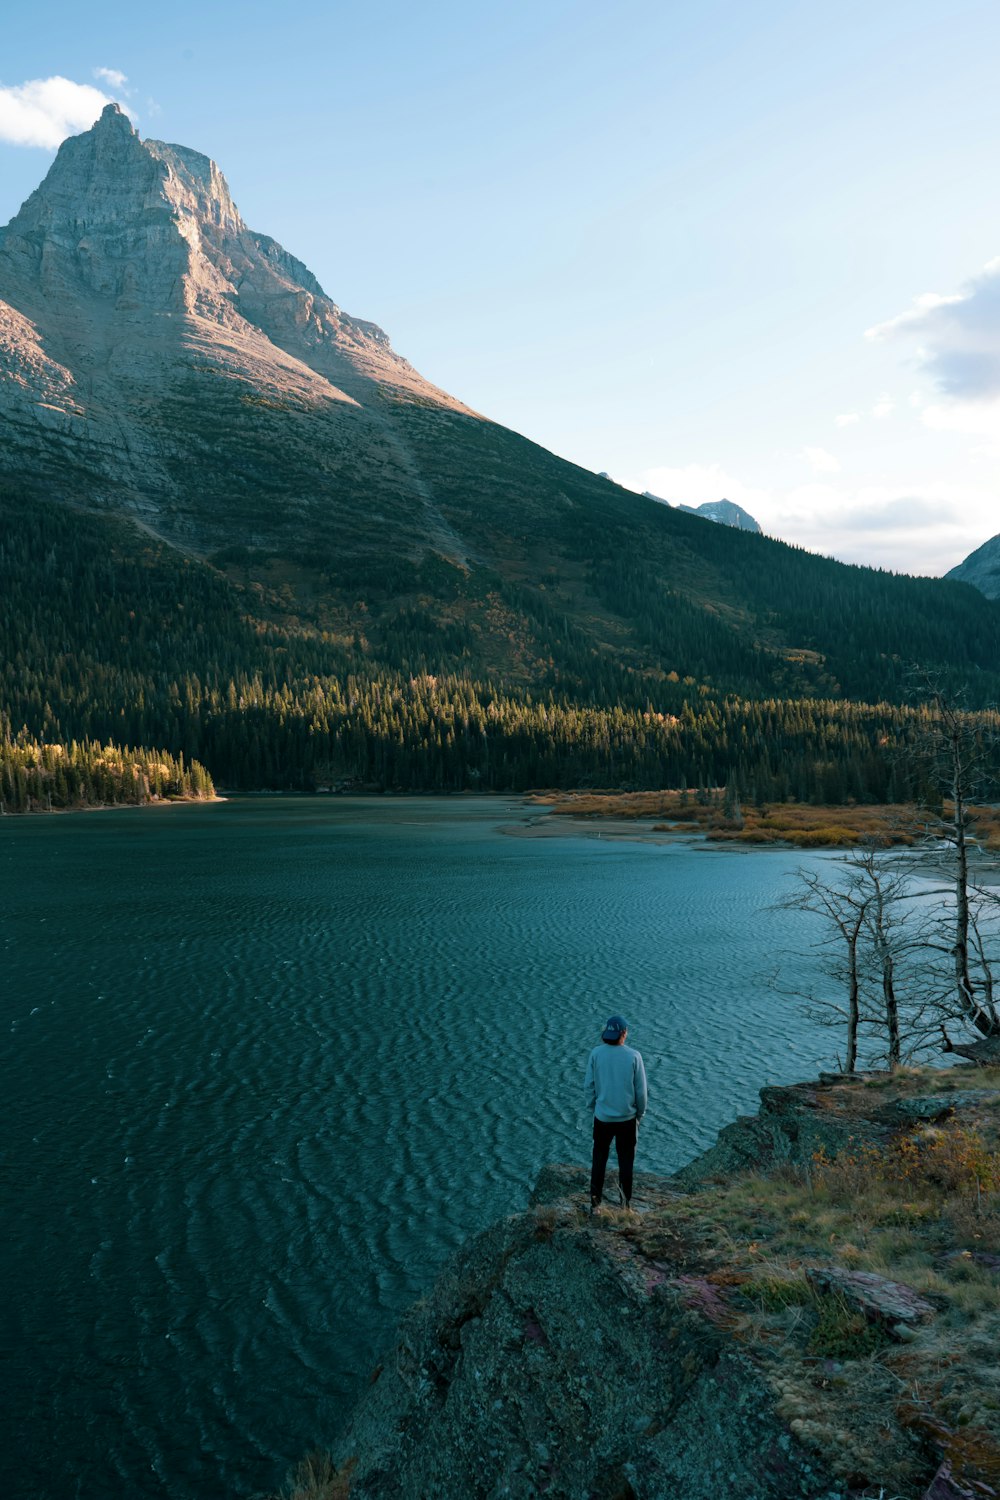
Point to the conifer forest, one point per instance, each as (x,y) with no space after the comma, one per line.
(132,672)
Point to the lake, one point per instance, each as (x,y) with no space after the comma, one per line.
(268,1062)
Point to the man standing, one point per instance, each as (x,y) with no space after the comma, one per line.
(615,1089)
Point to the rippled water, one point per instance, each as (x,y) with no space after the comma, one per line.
(266,1064)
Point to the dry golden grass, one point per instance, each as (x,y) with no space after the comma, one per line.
(797,823)
(934,1193)
(923,1210)
(986,826)
(317,1478)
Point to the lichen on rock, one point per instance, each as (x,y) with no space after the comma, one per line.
(548,1361)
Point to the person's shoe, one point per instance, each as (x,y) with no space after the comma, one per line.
(596,1207)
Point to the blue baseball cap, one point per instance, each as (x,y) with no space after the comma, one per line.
(616,1027)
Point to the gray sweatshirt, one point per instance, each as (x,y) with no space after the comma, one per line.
(615,1083)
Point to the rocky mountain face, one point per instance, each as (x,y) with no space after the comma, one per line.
(152,344)
(726,512)
(981,568)
(160,358)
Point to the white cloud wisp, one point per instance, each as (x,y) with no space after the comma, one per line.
(916,502)
(958,335)
(821,461)
(874,523)
(958,346)
(113,78)
(44,111)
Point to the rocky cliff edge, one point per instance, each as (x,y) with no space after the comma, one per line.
(810,1309)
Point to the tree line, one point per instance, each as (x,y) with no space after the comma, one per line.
(430,679)
(37,777)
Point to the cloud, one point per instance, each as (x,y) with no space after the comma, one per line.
(822,461)
(971,418)
(925,505)
(113,78)
(44,111)
(958,334)
(875,524)
(913,320)
(901,513)
(920,530)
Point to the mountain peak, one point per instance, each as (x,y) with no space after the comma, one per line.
(113,117)
(135,302)
(725,512)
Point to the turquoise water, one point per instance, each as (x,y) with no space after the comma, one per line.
(267,1063)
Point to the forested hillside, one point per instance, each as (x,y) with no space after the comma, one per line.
(424,676)
(239,527)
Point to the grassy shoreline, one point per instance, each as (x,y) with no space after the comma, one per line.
(790,824)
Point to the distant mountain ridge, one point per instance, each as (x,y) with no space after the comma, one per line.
(725,512)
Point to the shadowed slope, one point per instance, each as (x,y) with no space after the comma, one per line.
(161,360)
(981,568)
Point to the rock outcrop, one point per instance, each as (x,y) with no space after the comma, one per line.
(554,1359)
(694,1349)
(792,1124)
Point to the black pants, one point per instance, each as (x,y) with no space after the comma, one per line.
(624,1134)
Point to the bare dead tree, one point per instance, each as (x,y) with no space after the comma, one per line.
(984,1052)
(885,890)
(871,944)
(962,752)
(962,765)
(985,958)
(909,953)
(843,908)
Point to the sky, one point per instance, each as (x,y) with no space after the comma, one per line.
(741,250)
